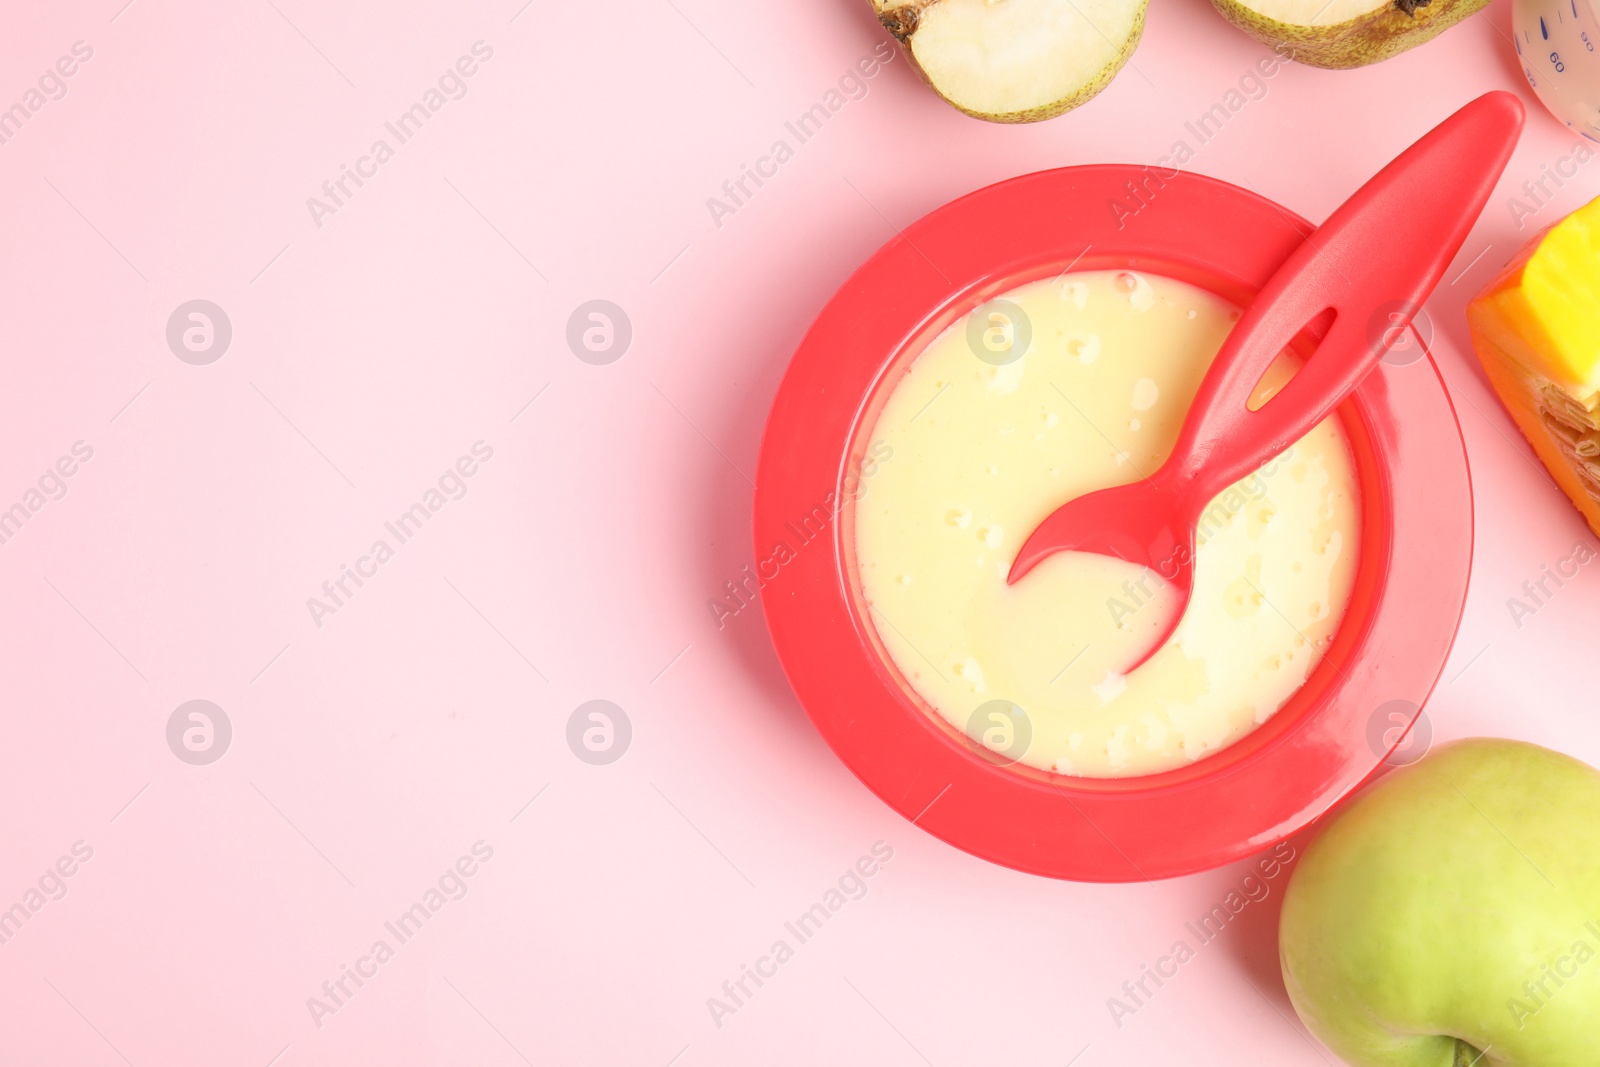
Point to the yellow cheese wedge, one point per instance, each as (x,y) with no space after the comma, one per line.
(1536,329)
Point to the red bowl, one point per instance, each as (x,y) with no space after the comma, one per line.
(1410,585)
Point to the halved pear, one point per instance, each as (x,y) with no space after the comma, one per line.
(1015,60)
(1344,33)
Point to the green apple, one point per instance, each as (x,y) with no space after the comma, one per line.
(1344,33)
(1015,60)
(1450,914)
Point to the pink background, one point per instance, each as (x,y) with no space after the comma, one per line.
(371,752)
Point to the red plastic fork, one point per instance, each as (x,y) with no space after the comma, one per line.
(1371,265)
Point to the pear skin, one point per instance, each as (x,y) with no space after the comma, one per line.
(1370,38)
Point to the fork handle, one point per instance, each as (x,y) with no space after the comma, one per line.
(1372,264)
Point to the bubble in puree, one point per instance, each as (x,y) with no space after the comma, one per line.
(1062,388)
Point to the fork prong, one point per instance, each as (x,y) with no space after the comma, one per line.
(1185,585)
(1085,524)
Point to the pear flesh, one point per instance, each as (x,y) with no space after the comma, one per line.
(1340,34)
(1015,60)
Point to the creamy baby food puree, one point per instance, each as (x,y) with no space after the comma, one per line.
(1066,387)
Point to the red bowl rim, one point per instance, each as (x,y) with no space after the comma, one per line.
(1397,631)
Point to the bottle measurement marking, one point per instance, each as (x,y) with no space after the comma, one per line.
(1562,68)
